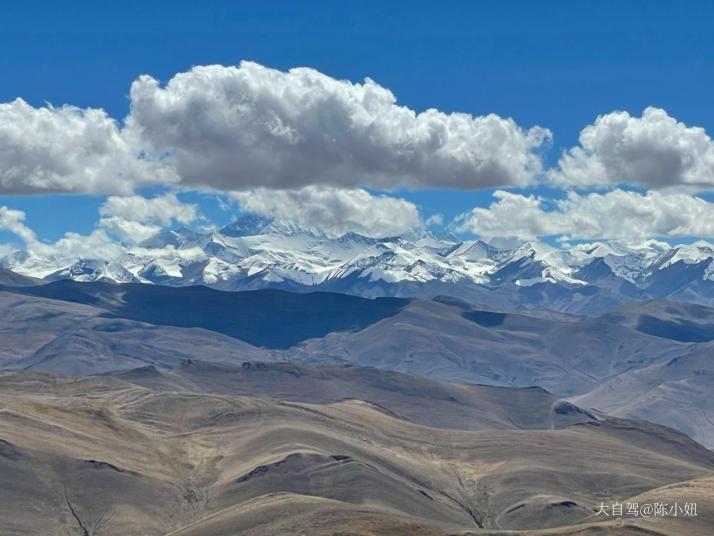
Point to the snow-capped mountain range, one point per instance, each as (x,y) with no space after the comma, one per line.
(257,253)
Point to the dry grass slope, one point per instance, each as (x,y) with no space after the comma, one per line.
(102,455)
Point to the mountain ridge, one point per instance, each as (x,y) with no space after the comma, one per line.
(100,451)
(76,329)
(254,253)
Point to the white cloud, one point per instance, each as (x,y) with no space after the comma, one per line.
(42,258)
(68,149)
(73,246)
(617,214)
(241,127)
(7,249)
(136,218)
(655,151)
(232,128)
(435,219)
(162,209)
(129,231)
(14,221)
(129,219)
(333,210)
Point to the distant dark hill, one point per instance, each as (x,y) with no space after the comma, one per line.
(683,322)
(679,331)
(265,318)
(11,279)
(68,338)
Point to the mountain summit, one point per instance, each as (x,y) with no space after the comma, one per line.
(255,252)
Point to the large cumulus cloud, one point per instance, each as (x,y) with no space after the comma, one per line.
(69,150)
(251,126)
(617,214)
(333,210)
(248,126)
(654,150)
(136,218)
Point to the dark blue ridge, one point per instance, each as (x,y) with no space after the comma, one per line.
(267,318)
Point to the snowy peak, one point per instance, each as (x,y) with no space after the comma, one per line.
(246,225)
(94,270)
(180,238)
(254,252)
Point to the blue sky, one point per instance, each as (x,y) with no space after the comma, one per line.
(556,64)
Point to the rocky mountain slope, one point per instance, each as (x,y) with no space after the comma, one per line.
(651,360)
(104,456)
